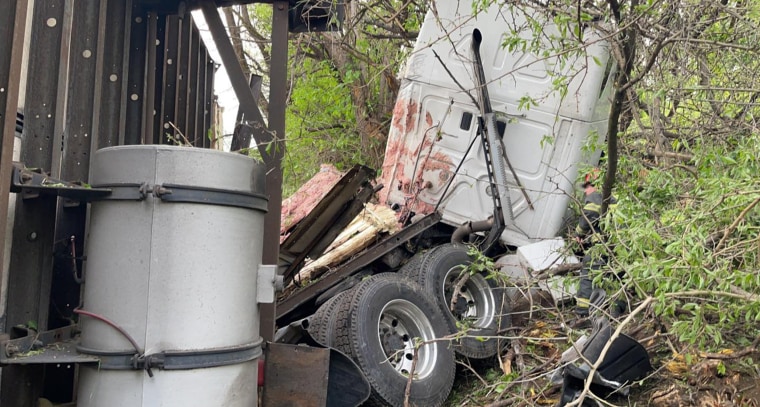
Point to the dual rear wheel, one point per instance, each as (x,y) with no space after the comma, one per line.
(408,324)
(393,330)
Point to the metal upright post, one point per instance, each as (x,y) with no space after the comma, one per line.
(31,263)
(12,28)
(273,156)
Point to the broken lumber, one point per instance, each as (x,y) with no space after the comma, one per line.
(373,221)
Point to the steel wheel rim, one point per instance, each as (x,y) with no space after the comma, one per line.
(476,292)
(401,324)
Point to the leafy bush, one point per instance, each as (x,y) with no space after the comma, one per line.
(687,234)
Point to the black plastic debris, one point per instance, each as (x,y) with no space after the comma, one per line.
(625,362)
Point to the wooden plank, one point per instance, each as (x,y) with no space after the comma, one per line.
(365,229)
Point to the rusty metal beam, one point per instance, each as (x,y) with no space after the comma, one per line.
(254,83)
(200,112)
(47,62)
(158,81)
(12,29)
(192,88)
(243,132)
(150,79)
(31,263)
(171,51)
(77,145)
(238,79)
(44,123)
(80,84)
(208,111)
(124,97)
(185,34)
(135,92)
(273,156)
(78,132)
(75,160)
(110,73)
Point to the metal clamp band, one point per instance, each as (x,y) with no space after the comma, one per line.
(185,194)
(211,196)
(176,359)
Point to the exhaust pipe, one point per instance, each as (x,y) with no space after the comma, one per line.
(471,227)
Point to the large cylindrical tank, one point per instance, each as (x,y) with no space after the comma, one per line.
(172,261)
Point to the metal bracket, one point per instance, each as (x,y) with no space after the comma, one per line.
(34,340)
(54,346)
(33,182)
(268,284)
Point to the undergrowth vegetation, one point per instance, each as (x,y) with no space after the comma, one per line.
(686,233)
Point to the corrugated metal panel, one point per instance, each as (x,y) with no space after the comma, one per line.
(77,134)
(171,52)
(192,88)
(111,75)
(183,66)
(136,76)
(31,263)
(158,79)
(17,385)
(200,112)
(96,78)
(209,112)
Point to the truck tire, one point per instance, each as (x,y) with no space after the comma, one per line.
(479,305)
(413,263)
(322,323)
(379,325)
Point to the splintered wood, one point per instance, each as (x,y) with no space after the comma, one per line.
(360,233)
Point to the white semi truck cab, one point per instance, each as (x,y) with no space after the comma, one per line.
(433,158)
(492,123)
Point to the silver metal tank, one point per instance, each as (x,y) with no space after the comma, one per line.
(170,298)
